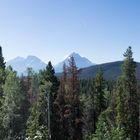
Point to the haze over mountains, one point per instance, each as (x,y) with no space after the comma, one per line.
(21,64)
(81,62)
(87,69)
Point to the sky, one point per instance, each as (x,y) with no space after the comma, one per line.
(100,30)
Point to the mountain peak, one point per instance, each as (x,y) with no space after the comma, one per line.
(32,57)
(19,58)
(81,62)
(73,54)
(20,64)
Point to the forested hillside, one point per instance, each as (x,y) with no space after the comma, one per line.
(41,106)
(111,70)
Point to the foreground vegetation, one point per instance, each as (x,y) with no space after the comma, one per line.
(41,106)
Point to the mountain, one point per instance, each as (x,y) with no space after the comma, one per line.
(86,68)
(81,62)
(21,64)
(111,70)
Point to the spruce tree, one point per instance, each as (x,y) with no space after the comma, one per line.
(99,97)
(2,81)
(60,101)
(89,110)
(37,127)
(2,72)
(29,91)
(2,63)
(25,106)
(127,98)
(95,103)
(72,110)
(11,106)
(48,76)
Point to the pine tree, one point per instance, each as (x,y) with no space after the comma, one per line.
(95,103)
(25,105)
(2,73)
(48,76)
(11,106)
(2,63)
(73,81)
(88,108)
(30,91)
(60,101)
(2,81)
(72,111)
(37,122)
(106,130)
(100,101)
(128,103)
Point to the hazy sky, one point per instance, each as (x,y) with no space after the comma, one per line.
(100,30)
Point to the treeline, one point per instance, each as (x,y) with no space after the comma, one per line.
(41,106)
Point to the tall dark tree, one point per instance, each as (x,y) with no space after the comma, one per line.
(72,112)
(2,71)
(61,103)
(89,110)
(25,105)
(2,81)
(48,76)
(95,103)
(11,106)
(128,101)
(37,127)
(100,101)
(29,91)
(2,63)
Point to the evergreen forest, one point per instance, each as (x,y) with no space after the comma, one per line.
(43,106)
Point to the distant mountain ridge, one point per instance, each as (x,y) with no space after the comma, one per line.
(87,70)
(81,62)
(21,64)
(111,70)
